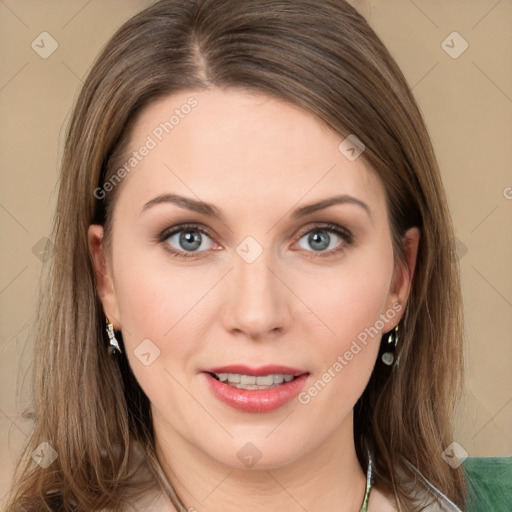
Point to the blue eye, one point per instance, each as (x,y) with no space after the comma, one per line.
(184,240)
(328,239)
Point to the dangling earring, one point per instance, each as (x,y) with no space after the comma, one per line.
(113,344)
(388,357)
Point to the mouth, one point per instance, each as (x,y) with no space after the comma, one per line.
(255,390)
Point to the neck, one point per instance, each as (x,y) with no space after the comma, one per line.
(327,478)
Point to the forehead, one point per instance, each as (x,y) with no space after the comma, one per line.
(223,145)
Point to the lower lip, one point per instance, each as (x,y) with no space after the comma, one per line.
(256,400)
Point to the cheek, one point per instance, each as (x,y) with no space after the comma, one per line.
(350,298)
(154,302)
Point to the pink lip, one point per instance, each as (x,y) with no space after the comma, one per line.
(256,400)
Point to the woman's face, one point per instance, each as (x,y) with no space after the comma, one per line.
(269,275)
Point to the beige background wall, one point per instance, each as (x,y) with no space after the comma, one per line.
(466,99)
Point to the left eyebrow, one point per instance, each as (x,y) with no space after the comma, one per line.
(343,199)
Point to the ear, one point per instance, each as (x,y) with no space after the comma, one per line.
(103,275)
(403,273)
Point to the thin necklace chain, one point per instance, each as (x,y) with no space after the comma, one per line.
(369,482)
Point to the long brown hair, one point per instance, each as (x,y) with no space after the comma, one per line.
(323,56)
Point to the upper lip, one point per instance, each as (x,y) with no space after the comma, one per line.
(256,371)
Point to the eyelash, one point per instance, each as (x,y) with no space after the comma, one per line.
(344,234)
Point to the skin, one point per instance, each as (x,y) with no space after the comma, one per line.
(257,159)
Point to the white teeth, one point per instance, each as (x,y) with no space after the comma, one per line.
(248,379)
(265,380)
(252,382)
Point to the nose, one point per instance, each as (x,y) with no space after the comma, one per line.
(258,302)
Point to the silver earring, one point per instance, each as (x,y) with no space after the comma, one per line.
(113,343)
(388,357)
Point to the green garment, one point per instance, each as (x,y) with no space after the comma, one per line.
(489,485)
(489,481)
